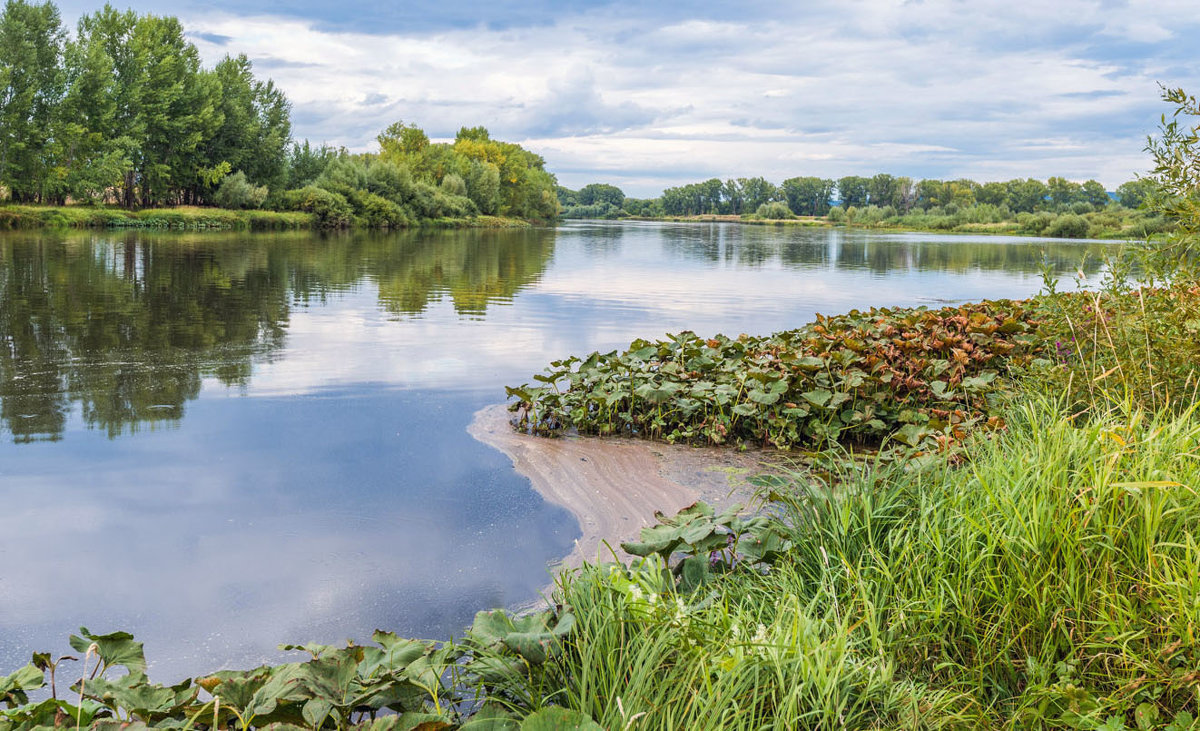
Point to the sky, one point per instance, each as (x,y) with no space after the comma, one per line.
(651,95)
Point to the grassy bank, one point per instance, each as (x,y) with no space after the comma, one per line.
(196,218)
(1117,224)
(1049,582)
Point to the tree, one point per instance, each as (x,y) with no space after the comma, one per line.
(853,191)
(483,186)
(31,41)
(1064,192)
(1135,192)
(1093,192)
(961,192)
(931,193)
(1026,196)
(90,154)
(599,193)
(305,164)
(732,199)
(1176,177)
(883,190)
(756,192)
(807,196)
(178,109)
(237,192)
(104,38)
(992,194)
(255,128)
(400,139)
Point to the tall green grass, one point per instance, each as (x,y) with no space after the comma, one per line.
(1053,581)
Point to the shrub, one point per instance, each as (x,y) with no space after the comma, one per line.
(774,210)
(390,180)
(454,185)
(330,209)
(1068,226)
(236,193)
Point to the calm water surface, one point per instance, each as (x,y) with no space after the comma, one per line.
(225,442)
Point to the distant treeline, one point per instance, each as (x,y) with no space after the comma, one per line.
(813,196)
(122,113)
(1057,207)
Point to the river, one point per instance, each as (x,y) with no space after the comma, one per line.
(222,442)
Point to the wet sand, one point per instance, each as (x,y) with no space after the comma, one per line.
(613,486)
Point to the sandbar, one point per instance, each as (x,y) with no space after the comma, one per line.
(613,485)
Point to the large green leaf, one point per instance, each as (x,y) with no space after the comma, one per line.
(115,648)
(13,687)
(529,636)
(134,695)
(235,688)
(559,719)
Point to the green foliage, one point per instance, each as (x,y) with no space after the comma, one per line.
(1123,345)
(904,374)
(453,184)
(710,545)
(775,210)
(31,43)
(1136,192)
(190,218)
(600,193)
(603,210)
(330,210)
(236,192)
(1069,226)
(807,196)
(1047,582)
(1176,176)
(425,684)
(124,112)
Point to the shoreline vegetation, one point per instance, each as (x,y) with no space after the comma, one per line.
(195,218)
(1058,208)
(1119,232)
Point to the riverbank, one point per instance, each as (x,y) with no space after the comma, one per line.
(194,218)
(1040,227)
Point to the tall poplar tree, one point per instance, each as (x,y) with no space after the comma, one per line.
(31,86)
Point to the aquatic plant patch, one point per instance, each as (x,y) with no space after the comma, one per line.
(913,378)
(396,684)
(903,373)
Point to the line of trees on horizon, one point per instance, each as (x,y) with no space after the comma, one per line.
(815,196)
(122,112)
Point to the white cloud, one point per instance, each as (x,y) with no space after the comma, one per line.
(938,88)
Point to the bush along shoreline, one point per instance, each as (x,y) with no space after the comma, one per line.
(14,217)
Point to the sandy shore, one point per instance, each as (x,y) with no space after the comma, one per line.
(613,486)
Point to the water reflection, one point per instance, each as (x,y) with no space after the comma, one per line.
(127,326)
(878,253)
